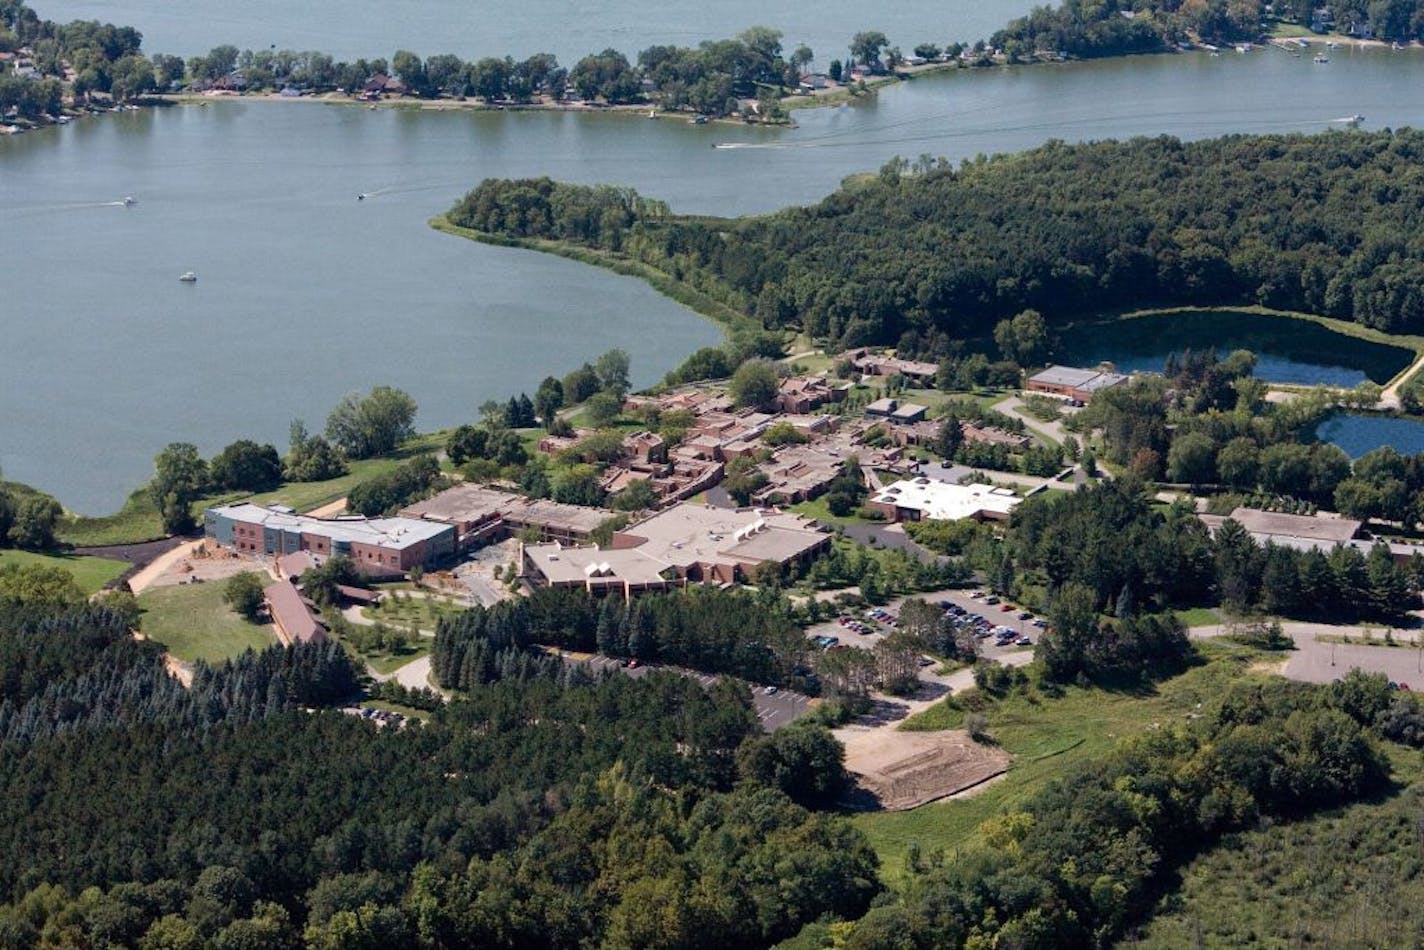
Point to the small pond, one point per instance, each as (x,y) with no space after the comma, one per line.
(1360,434)
(1288,351)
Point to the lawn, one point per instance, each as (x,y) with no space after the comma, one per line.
(399,610)
(1046,736)
(816,508)
(138,519)
(90,573)
(1199,617)
(192,621)
(386,663)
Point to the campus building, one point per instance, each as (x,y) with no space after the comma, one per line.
(920,499)
(378,546)
(479,515)
(686,544)
(1078,385)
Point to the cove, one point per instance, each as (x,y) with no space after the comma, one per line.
(1298,352)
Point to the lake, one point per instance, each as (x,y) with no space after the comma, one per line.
(1299,352)
(1360,434)
(470,28)
(305,294)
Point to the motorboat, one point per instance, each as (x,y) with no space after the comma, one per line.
(130,201)
(1321,58)
(188,277)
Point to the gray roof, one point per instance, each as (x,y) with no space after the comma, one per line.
(1278,524)
(395,534)
(1065,376)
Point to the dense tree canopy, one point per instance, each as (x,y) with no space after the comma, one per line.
(1328,224)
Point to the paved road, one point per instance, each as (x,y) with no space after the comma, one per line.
(1317,659)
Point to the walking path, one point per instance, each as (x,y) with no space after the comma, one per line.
(1389,399)
(1013,408)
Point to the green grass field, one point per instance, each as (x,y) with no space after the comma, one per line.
(1045,735)
(192,621)
(1198,617)
(90,573)
(420,613)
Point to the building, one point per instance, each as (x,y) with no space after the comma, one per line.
(293,615)
(875,364)
(797,473)
(921,499)
(1300,532)
(479,515)
(1078,385)
(685,544)
(627,573)
(378,546)
(802,394)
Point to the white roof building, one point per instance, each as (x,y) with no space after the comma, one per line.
(926,498)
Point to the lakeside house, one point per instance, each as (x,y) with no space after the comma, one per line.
(379,546)
(878,364)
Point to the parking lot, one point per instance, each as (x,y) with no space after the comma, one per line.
(989,648)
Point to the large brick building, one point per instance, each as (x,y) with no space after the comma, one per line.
(379,546)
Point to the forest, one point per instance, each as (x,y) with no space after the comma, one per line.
(1326,224)
(556,809)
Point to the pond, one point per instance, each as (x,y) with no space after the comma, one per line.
(1360,434)
(1300,352)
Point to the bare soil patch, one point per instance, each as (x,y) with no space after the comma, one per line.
(896,770)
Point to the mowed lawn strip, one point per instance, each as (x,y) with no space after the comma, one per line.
(90,573)
(192,621)
(1046,736)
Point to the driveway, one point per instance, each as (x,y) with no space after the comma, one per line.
(1013,407)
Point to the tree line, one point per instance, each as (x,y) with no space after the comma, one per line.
(750,634)
(1087,30)
(1066,230)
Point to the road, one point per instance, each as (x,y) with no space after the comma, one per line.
(1317,658)
(1013,407)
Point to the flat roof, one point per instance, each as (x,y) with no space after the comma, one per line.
(688,534)
(390,533)
(1065,376)
(947,501)
(1277,523)
(568,565)
(882,406)
(473,503)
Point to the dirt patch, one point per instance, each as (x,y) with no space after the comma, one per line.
(197,562)
(896,770)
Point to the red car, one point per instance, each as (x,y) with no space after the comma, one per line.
(1008,607)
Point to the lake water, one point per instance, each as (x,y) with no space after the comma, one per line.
(1360,434)
(471,28)
(305,294)
(1299,352)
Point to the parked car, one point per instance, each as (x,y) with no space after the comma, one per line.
(991,600)
(1024,641)
(1025,615)
(1007,608)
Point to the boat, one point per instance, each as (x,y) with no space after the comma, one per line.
(699,120)
(1321,58)
(1355,119)
(129,201)
(1303,43)
(188,277)
(652,113)
(1331,44)
(361,196)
